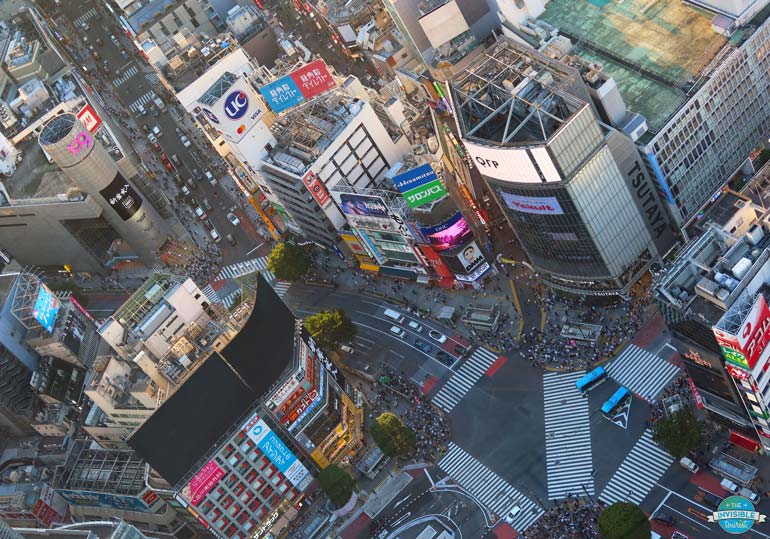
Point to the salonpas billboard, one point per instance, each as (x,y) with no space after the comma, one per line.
(420,186)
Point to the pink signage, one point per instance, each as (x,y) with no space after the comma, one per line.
(81,141)
(205,480)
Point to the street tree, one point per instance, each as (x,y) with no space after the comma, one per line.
(624,520)
(392,435)
(288,261)
(679,433)
(337,484)
(330,329)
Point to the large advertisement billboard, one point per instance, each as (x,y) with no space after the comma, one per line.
(277,452)
(304,83)
(420,186)
(535,205)
(505,164)
(316,188)
(451,233)
(236,112)
(363,205)
(122,197)
(90,119)
(46,308)
(746,346)
(203,482)
(107,500)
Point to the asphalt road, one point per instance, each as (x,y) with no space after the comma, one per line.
(119,65)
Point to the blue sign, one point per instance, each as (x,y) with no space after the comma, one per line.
(85,498)
(414,178)
(211,116)
(280,455)
(736,515)
(46,308)
(236,104)
(282,94)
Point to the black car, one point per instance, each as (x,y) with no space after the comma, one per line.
(445,358)
(711,500)
(664,518)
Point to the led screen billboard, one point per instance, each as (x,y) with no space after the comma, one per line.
(236,112)
(535,205)
(451,233)
(363,205)
(46,308)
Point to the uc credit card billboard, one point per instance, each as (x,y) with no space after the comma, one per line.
(304,83)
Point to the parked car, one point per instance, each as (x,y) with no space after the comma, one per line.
(200,213)
(215,235)
(230,239)
(233,219)
(711,500)
(168,166)
(422,345)
(749,495)
(210,177)
(445,358)
(729,486)
(175,159)
(688,464)
(437,336)
(157,131)
(185,190)
(185,141)
(113,39)
(152,138)
(207,205)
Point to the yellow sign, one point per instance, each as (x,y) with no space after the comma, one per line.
(265,218)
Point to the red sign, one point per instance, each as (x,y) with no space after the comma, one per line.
(316,188)
(81,308)
(737,373)
(435,261)
(149,497)
(306,401)
(313,79)
(695,394)
(258,3)
(90,119)
(202,483)
(755,331)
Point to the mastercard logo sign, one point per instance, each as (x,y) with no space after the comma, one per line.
(241,129)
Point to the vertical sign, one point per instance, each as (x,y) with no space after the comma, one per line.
(90,119)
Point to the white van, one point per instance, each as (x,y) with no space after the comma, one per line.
(395,316)
(395,330)
(688,464)
(749,495)
(729,485)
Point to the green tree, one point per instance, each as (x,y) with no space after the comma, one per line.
(392,435)
(624,520)
(679,433)
(330,329)
(288,261)
(337,484)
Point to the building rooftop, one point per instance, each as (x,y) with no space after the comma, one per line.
(655,51)
(118,471)
(187,426)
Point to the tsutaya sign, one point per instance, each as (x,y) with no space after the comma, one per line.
(81,141)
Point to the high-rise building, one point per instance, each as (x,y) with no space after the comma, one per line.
(574,190)
(85,162)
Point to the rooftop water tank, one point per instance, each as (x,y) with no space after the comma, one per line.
(741,268)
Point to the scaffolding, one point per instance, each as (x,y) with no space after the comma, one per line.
(27,286)
(117,471)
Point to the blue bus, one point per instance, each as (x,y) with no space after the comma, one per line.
(616,401)
(591,380)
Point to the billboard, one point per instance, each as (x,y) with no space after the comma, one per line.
(50,507)
(90,119)
(202,482)
(470,256)
(277,452)
(46,308)
(236,112)
(85,498)
(744,348)
(316,188)
(536,205)
(451,233)
(419,186)
(122,197)
(304,83)
(506,164)
(363,205)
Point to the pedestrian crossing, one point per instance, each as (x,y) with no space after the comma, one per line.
(280,287)
(492,491)
(569,463)
(638,473)
(210,293)
(464,379)
(85,17)
(127,74)
(142,101)
(641,372)
(243,268)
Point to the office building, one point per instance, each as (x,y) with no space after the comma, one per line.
(715,287)
(241,459)
(29,502)
(86,162)
(159,21)
(100,529)
(703,92)
(574,190)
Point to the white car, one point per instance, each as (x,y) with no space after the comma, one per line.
(200,213)
(215,235)
(152,138)
(233,219)
(436,336)
(185,190)
(185,141)
(511,516)
(415,326)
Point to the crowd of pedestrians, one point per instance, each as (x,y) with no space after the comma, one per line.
(568,519)
(203,266)
(394,393)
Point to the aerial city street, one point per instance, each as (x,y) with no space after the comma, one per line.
(384,269)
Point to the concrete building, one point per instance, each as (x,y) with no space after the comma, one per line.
(31,503)
(715,287)
(703,93)
(243,464)
(574,190)
(160,20)
(88,164)
(100,529)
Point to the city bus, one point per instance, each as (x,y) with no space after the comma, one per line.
(591,380)
(615,402)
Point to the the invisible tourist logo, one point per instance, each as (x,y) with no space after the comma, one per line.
(736,515)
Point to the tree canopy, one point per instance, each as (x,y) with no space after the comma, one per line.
(392,435)
(624,520)
(337,484)
(330,329)
(288,261)
(679,433)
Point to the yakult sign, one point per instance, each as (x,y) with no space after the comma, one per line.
(536,205)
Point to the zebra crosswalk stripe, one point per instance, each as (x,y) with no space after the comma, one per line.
(281,287)
(127,74)
(146,98)
(248,266)
(85,17)
(638,473)
(229,299)
(464,379)
(569,462)
(491,490)
(641,372)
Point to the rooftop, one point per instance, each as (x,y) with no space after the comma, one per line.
(35,177)
(655,51)
(118,471)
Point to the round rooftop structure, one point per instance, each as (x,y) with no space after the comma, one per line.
(57,128)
